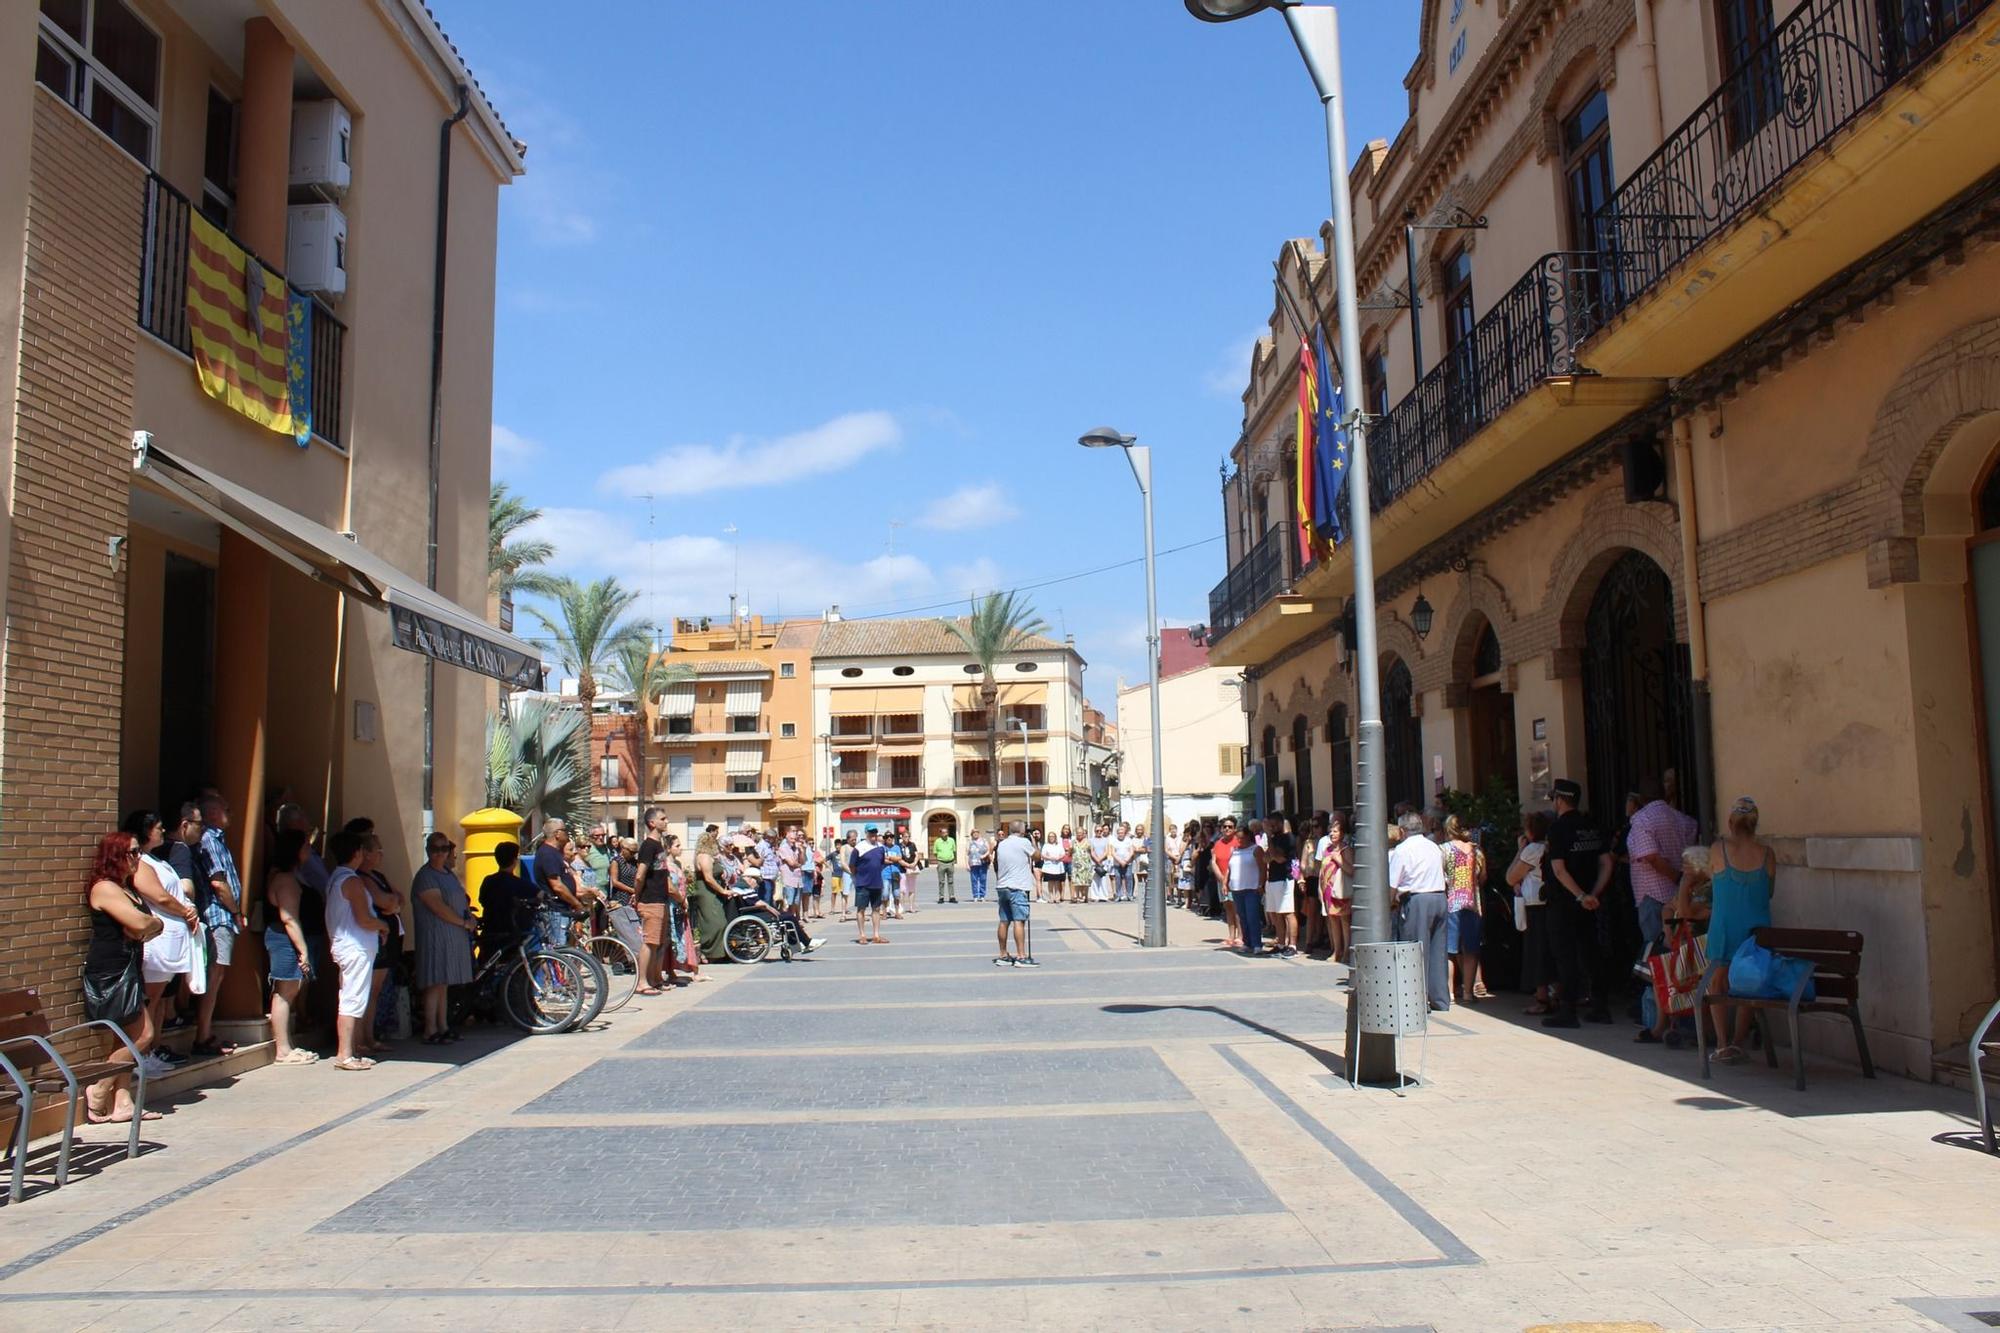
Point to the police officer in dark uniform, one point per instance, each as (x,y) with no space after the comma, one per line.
(1575,874)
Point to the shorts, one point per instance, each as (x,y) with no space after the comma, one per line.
(653,923)
(1278,896)
(221,945)
(284,955)
(869,897)
(1462,930)
(357,967)
(1013,904)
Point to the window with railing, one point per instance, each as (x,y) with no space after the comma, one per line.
(680,726)
(163,262)
(974,773)
(906,771)
(741,783)
(1036,716)
(969,722)
(854,726)
(745,726)
(1019,773)
(901,724)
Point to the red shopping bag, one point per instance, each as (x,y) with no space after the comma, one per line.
(1677,972)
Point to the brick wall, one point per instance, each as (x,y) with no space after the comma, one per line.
(61,675)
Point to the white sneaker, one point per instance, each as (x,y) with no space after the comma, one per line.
(155,1066)
(815,942)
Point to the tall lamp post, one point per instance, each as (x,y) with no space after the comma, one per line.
(1153,912)
(1316,31)
(1027,774)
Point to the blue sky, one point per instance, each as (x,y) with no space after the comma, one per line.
(852,277)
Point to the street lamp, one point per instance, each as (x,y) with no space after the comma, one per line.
(1027,775)
(1153,913)
(1316,32)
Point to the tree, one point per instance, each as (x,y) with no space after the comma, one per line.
(636,668)
(1000,623)
(515,566)
(538,761)
(590,629)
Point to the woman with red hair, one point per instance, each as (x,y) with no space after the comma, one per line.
(120,922)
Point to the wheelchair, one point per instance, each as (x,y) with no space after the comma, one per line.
(752,934)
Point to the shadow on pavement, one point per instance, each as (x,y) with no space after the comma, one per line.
(1328,1060)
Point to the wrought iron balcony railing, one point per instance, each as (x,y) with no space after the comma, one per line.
(1250,582)
(163,253)
(1819,69)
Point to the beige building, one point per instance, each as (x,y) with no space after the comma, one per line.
(902,733)
(204,586)
(1697,471)
(1202,731)
(732,744)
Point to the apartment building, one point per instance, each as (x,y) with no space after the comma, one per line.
(1681,454)
(731,742)
(246,487)
(1202,737)
(902,731)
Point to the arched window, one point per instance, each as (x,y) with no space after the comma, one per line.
(1268,755)
(1402,736)
(1302,769)
(1342,746)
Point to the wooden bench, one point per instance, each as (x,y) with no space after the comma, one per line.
(1836,981)
(31,1066)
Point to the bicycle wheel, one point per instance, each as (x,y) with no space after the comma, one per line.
(543,993)
(596,986)
(620,968)
(746,940)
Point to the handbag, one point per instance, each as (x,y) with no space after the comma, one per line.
(1676,972)
(116,997)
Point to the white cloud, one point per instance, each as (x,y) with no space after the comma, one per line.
(975,578)
(976,506)
(1230,374)
(690,469)
(511,448)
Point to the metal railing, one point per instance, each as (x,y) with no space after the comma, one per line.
(853,728)
(163,254)
(1250,582)
(1819,69)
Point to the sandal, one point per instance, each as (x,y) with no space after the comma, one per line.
(1729,1055)
(210,1048)
(126,1119)
(649,990)
(297,1056)
(1538,1008)
(355,1062)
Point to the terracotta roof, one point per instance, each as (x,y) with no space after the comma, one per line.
(1180,653)
(798,634)
(906,638)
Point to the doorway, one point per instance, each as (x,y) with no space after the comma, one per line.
(1635,686)
(187,680)
(1402,736)
(1492,715)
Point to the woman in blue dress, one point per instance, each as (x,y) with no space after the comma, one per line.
(1741,873)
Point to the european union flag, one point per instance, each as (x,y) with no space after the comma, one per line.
(1333,451)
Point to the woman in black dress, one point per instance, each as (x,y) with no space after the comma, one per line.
(120,924)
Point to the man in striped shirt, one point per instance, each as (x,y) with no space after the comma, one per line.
(1655,841)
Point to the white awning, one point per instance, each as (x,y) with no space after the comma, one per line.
(422,620)
(745,761)
(745,698)
(678,701)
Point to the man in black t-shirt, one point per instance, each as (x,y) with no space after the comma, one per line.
(655,902)
(1575,871)
(506,902)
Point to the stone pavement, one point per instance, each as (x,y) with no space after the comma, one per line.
(906,1136)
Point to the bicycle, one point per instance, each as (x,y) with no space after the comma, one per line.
(537,990)
(615,957)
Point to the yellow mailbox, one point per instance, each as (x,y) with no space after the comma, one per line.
(484,831)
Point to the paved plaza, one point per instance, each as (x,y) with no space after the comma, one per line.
(906,1136)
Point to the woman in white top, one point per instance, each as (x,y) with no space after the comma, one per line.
(353,931)
(1525,877)
(170,953)
(1335,855)
(1055,867)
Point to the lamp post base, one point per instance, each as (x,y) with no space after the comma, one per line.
(1371,1056)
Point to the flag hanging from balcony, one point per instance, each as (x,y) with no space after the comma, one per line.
(298,363)
(1305,471)
(1333,451)
(238,322)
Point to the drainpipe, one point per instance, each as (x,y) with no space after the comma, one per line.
(437,439)
(1649,70)
(1704,750)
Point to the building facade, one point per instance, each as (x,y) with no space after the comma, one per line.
(731,743)
(1201,740)
(902,733)
(246,485)
(1686,460)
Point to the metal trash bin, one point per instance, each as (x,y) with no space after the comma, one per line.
(1389,1000)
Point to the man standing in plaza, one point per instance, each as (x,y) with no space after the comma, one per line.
(865,869)
(1655,841)
(1575,870)
(222,912)
(1417,888)
(554,877)
(944,855)
(1014,868)
(652,895)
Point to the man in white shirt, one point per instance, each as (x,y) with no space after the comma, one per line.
(1014,869)
(1417,887)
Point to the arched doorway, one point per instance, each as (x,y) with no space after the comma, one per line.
(936,825)
(1402,736)
(1267,757)
(1491,710)
(1302,769)
(1635,686)
(1341,744)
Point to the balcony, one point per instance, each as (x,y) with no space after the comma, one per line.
(1852,121)
(853,730)
(163,251)
(710,797)
(972,775)
(664,737)
(1250,582)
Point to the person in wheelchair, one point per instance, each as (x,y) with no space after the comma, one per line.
(747,903)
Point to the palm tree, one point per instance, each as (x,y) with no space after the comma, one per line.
(1000,623)
(635,667)
(538,762)
(515,566)
(590,629)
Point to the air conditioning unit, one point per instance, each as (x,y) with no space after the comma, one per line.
(316,248)
(321,132)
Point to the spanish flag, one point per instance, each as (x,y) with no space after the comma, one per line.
(241,322)
(1310,543)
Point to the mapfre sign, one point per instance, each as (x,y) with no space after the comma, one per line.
(876,812)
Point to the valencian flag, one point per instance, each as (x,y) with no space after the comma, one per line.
(1333,452)
(250,331)
(1307,470)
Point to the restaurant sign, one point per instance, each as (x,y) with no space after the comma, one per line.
(435,639)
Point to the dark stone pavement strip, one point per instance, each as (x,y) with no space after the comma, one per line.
(982,981)
(728,1083)
(855,1173)
(712,1027)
